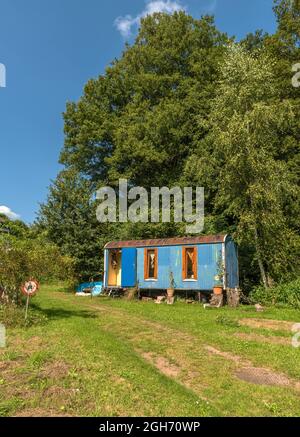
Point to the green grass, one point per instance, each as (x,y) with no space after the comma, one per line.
(108,357)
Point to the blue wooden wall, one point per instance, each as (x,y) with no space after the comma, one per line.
(170,259)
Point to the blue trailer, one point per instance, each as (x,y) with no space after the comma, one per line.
(192,262)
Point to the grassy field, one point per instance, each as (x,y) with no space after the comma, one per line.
(101,357)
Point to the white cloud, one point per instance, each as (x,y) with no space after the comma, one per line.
(125,24)
(8,212)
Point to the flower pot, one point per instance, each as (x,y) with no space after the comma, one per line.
(170,292)
(218,289)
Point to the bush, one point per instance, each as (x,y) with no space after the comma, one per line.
(21,260)
(283,294)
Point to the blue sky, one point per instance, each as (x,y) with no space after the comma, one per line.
(50,48)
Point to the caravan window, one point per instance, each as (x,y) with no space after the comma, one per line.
(189,263)
(150,263)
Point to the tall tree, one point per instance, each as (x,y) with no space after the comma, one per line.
(288,17)
(239,159)
(138,119)
(69,220)
(284,48)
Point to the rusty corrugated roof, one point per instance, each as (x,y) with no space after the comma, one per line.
(202,239)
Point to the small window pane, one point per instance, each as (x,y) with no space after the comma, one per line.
(151,263)
(189,263)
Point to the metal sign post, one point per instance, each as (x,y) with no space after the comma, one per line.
(29,289)
(27,304)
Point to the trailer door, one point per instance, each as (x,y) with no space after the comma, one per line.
(128,267)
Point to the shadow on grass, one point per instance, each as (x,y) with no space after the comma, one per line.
(60,313)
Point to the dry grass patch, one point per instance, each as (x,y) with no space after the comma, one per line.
(55,370)
(277,325)
(227,355)
(264,339)
(41,412)
(162,364)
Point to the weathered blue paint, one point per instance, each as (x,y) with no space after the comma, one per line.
(105,272)
(231,263)
(128,275)
(170,260)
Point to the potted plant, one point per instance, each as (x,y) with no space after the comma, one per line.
(171,289)
(218,284)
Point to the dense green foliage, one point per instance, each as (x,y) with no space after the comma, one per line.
(187,105)
(138,120)
(283,294)
(239,163)
(25,254)
(69,220)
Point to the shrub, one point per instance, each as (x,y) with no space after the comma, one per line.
(283,294)
(22,259)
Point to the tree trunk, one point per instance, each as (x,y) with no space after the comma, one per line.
(259,260)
